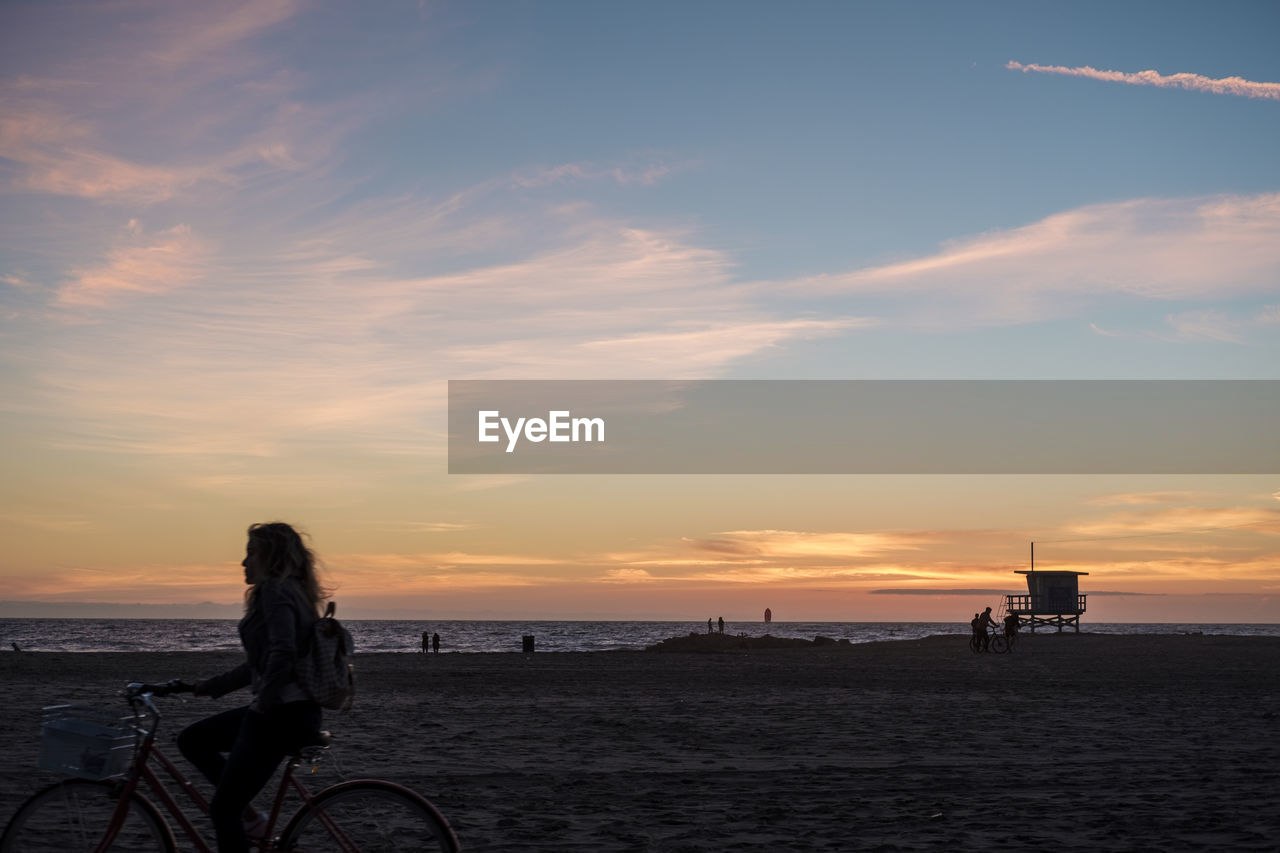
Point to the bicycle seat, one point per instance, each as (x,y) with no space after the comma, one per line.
(313,742)
(320,738)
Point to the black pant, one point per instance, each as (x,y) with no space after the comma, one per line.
(255,743)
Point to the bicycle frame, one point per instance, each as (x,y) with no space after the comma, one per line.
(141,771)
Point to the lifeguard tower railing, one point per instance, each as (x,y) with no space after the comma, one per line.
(1048,610)
(1044,604)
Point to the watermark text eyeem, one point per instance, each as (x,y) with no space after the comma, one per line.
(851,426)
(559,426)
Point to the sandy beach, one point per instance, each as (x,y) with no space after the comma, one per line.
(1087,742)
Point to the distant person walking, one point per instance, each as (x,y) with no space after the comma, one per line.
(435,643)
(708,624)
(720,622)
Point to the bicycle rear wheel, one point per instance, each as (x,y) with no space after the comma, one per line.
(369,816)
(72,817)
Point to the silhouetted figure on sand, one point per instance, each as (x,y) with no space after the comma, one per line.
(720,622)
(435,643)
(239,750)
(975,624)
(708,624)
(426,641)
(985,621)
(1011,626)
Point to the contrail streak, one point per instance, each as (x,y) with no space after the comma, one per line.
(1194,82)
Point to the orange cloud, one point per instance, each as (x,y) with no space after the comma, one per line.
(152,583)
(796,543)
(1182,519)
(744,557)
(1196,570)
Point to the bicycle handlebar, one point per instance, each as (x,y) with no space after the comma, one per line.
(174,685)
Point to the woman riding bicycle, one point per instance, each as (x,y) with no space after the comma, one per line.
(281,605)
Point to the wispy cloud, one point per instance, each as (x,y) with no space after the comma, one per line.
(420,526)
(482,483)
(183,98)
(706,350)
(371,574)
(1268,315)
(627,576)
(1207,248)
(1141,498)
(1180,572)
(62,156)
(799,543)
(337,343)
(1193,82)
(1173,520)
(969,561)
(48,521)
(1205,325)
(142,263)
(923,590)
(168,583)
(847,559)
(643,174)
(17,279)
(200,31)
(851,577)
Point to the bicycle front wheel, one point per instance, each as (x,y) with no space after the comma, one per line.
(999,644)
(73,816)
(369,816)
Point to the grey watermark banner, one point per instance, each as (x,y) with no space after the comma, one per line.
(864,427)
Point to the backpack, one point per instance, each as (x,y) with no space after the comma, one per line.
(325,672)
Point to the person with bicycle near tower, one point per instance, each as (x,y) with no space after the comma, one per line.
(1011,625)
(983,629)
(281,606)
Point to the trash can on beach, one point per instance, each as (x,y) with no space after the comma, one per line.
(528,643)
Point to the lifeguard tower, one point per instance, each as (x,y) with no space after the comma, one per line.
(1053,598)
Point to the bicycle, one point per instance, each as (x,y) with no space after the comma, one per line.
(106,810)
(998,642)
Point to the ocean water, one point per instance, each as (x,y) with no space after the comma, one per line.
(146,635)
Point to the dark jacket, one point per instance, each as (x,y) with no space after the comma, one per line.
(275,633)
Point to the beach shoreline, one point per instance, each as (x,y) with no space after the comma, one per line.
(1094,741)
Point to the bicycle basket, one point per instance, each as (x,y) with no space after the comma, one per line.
(86,742)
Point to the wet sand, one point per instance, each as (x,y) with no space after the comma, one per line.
(1087,742)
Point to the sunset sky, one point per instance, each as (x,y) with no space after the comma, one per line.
(243,247)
